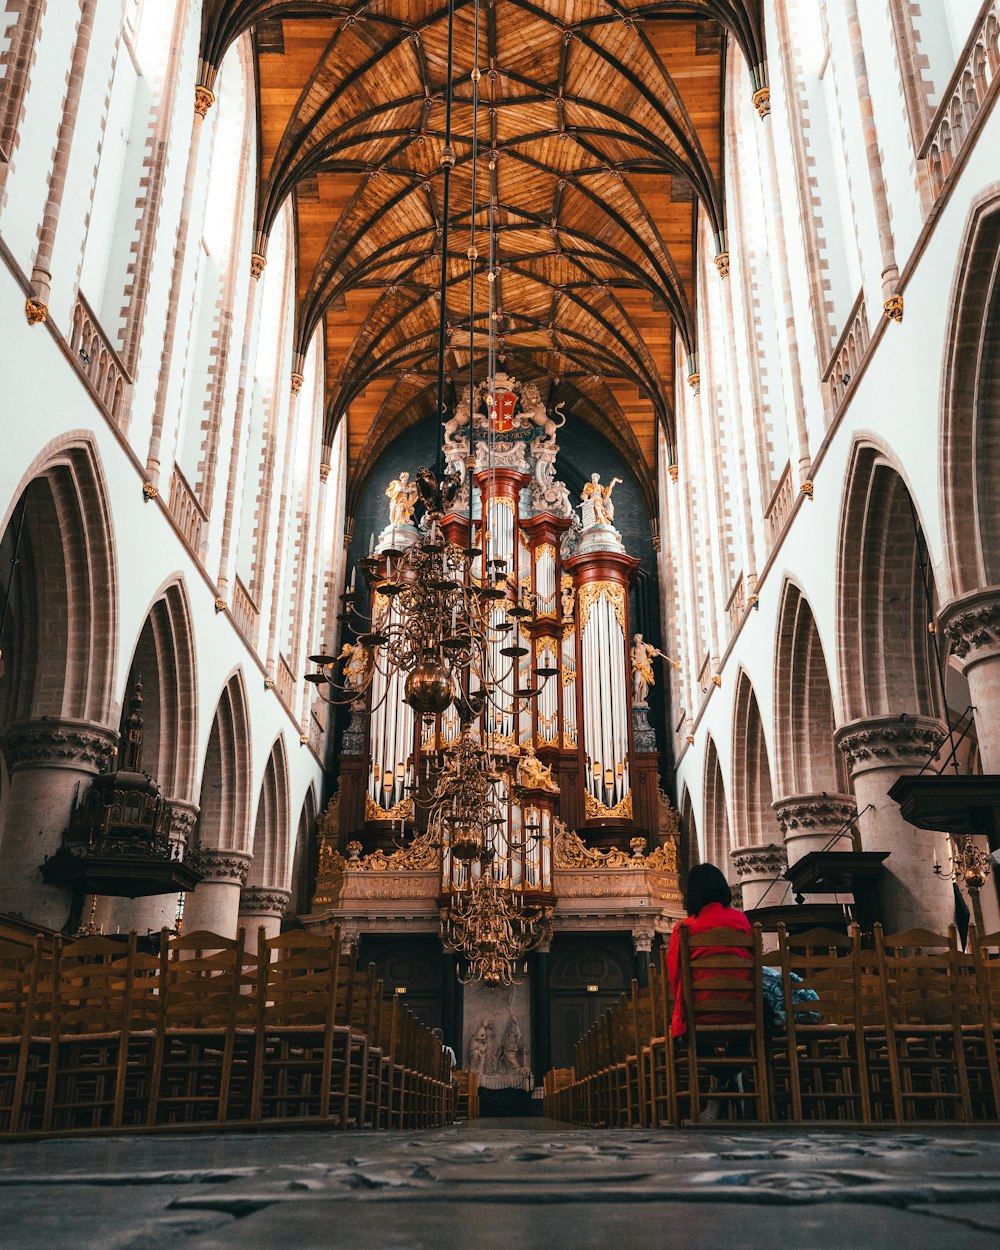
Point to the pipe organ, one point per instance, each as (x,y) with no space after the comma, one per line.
(573,573)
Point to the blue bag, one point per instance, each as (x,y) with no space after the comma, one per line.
(774,1000)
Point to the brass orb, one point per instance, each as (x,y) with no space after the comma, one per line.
(429,688)
(466,844)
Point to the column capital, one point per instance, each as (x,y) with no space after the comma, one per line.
(807,812)
(889,742)
(204,98)
(53,743)
(754,862)
(642,938)
(257,900)
(971,623)
(183,818)
(221,866)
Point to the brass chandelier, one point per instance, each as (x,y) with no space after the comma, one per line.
(445,610)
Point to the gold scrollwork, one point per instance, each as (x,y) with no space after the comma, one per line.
(589,594)
(569,851)
(595,809)
(403,810)
(421,854)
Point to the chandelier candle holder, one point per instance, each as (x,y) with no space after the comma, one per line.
(969,866)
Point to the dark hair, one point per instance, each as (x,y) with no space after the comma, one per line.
(705,884)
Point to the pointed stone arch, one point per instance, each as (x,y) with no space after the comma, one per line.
(271,865)
(222,833)
(815,801)
(164,660)
(305,858)
(59,641)
(752,795)
(884,648)
(805,758)
(266,892)
(890,687)
(718,842)
(970,405)
(64,590)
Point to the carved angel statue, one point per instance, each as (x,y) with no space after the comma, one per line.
(642,656)
(600,496)
(402,495)
(532,774)
(355,659)
(568,597)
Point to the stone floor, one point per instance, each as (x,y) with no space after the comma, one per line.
(505,1185)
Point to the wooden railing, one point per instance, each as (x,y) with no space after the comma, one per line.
(317,724)
(285,681)
(190,516)
(245,612)
(776,515)
(848,354)
(98,361)
(972,83)
(737,603)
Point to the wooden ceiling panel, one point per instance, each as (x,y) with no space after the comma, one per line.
(602,122)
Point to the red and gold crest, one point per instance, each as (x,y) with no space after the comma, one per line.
(502,409)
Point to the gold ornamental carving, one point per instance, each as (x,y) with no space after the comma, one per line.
(596,810)
(893,308)
(589,594)
(762,101)
(570,851)
(420,855)
(36,311)
(403,810)
(203,100)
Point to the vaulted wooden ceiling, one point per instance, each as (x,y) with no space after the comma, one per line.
(599,132)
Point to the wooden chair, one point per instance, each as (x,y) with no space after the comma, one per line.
(929,995)
(302,1053)
(729,986)
(659,1053)
(91,1021)
(984,1058)
(202,1066)
(824,1058)
(24,1042)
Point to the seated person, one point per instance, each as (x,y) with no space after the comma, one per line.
(708,903)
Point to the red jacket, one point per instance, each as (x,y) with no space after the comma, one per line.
(711,916)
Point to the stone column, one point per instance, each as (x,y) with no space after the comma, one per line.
(879,749)
(642,945)
(809,822)
(760,871)
(262,907)
(214,904)
(972,625)
(541,1034)
(51,763)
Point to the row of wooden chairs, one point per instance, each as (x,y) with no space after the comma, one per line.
(899,1032)
(98,1034)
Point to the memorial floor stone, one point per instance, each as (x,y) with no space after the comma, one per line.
(505,1185)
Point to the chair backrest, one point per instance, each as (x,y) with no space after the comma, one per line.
(205,979)
(823,960)
(299,974)
(720,977)
(94,984)
(925,978)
